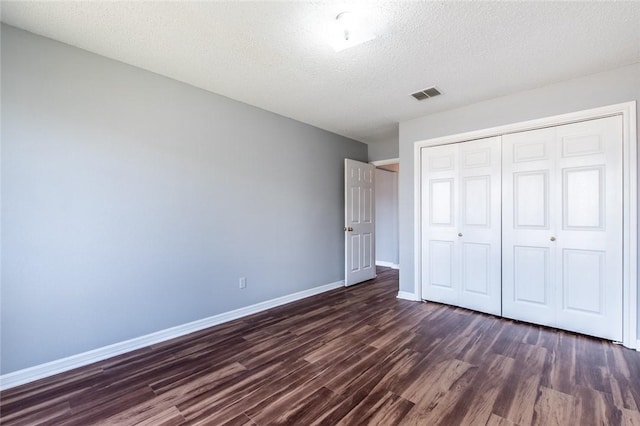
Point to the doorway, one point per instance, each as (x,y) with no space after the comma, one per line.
(386,204)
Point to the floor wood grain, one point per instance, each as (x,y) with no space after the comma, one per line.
(348,357)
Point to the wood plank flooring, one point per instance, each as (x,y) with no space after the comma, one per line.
(351,356)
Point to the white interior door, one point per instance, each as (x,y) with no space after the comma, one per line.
(461,224)
(359,222)
(562,236)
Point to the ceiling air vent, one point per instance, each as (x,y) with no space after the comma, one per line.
(423,94)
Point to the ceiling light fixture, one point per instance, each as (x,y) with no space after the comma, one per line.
(349,31)
(347,24)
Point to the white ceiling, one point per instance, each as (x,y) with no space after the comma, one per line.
(274,55)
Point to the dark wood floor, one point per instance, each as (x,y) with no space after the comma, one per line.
(350,356)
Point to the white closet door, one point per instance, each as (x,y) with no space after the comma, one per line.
(562,227)
(440,282)
(479,235)
(528,255)
(461,208)
(589,235)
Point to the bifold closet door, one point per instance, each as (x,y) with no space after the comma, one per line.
(562,227)
(461,224)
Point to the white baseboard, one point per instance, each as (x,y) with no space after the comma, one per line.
(407,296)
(387,264)
(41,371)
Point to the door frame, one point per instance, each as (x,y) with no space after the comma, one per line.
(629,193)
(387,162)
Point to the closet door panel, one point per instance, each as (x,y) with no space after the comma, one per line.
(441,264)
(440,277)
(562,227)
(531,200)
(479,229)
(476,266)
(583,272)
(531,273)
(589,227)
(461,211)
(476,201)
(528,255)
(441,202)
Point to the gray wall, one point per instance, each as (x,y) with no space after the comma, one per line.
(383,150)
(616,86)
(386,216)
(132,202)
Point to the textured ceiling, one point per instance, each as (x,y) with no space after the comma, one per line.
(275,55)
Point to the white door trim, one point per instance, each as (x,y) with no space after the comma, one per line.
(630,196)
(385,162)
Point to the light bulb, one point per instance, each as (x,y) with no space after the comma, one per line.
(347,24)
(349,32)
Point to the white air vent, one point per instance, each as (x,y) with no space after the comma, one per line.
(423,94)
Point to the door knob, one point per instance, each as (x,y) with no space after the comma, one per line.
(459,234)
(350,229)
(552,238)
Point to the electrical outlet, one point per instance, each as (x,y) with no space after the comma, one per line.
(242,282)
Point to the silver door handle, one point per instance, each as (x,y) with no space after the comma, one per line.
(552,238)
(459,234)
(350,229)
